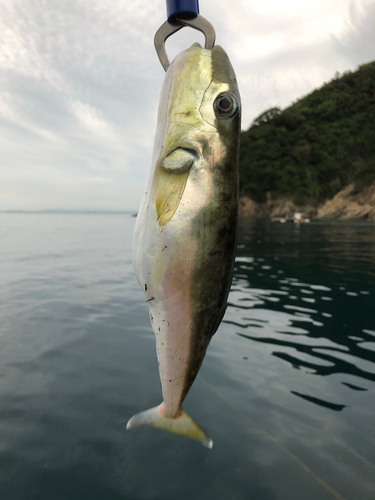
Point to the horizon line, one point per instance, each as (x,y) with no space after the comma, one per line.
(63,210)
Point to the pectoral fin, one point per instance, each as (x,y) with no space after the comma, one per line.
(171,178)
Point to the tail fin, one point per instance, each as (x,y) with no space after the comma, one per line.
(183,424)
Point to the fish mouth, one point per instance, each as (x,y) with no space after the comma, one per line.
(179,160)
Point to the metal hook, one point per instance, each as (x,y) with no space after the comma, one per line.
(167,29)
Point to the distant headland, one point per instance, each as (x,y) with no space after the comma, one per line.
(317,156)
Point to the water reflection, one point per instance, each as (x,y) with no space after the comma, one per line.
(308,291)
(276,389)
(320,402)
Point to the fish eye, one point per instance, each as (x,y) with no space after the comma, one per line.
(225,105)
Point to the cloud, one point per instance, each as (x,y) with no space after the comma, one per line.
(358,40)
(99,180)
(80,84)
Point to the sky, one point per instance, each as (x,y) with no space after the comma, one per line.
(80,84)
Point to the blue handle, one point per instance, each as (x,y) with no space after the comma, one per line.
(184,9)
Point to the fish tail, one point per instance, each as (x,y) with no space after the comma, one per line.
(183,424)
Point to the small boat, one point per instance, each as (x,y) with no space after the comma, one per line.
(297,218)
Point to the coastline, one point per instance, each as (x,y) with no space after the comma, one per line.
(349,204)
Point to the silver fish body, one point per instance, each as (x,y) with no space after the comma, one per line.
(185,234)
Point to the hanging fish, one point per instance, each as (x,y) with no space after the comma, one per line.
(185,233)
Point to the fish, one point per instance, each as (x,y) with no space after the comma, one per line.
(185,234)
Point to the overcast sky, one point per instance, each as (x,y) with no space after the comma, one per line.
(80,83)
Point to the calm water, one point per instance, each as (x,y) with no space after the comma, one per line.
(287,389)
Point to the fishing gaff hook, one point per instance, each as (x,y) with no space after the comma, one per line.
(182,13)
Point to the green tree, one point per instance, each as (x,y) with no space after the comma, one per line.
(317,146)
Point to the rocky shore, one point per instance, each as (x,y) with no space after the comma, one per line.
(348,204)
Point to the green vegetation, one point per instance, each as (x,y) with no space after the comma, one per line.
(315,147)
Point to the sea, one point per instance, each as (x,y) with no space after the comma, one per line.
(286,390)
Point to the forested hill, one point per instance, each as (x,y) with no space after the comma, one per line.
(315,147)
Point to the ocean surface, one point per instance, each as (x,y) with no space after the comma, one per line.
(286,391)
